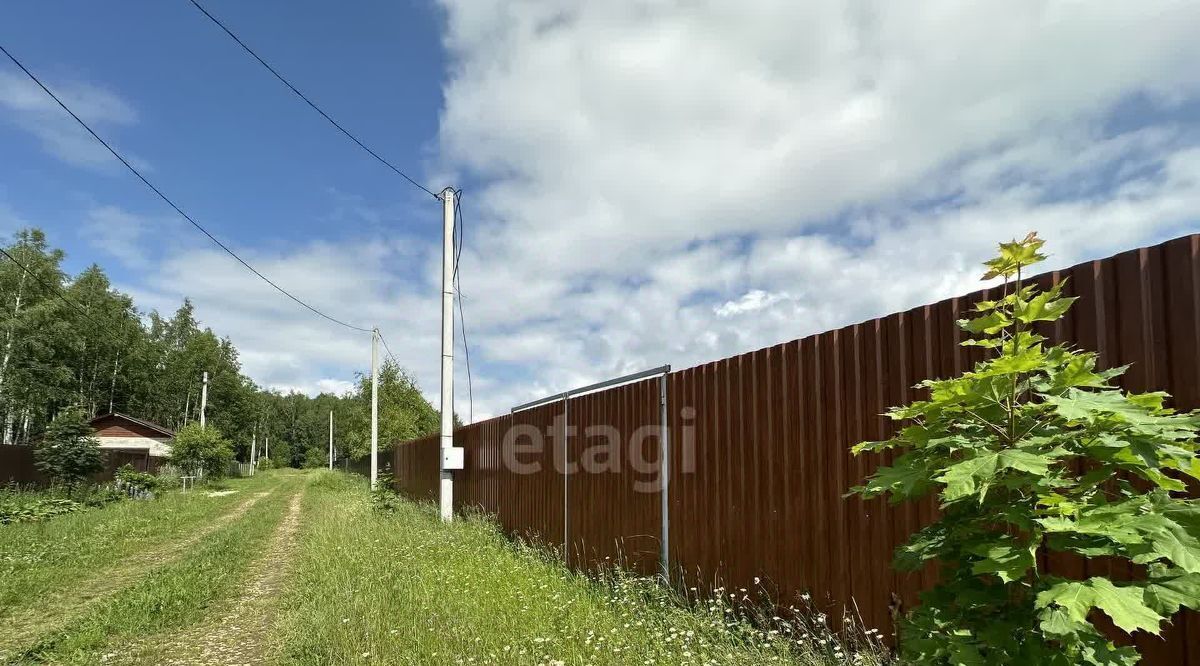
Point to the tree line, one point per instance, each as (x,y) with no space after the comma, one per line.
(89,347)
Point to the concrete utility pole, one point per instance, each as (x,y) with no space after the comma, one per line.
(374,407)
(268,452)
(203,399)
(331,439)
(253,447)
(446,487)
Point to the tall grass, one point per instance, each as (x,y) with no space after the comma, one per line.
(36,559)
(173,596)
(400,587)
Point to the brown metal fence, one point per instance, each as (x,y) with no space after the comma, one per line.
(17,464)
(759,446)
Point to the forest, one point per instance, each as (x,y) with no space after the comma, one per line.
(75,341)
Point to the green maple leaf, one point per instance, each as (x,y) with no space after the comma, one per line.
(973,475)
(991,323)
(1046,306)
(964,478)
(1078,371)
(1167,592)
(1009,562)
(1124,604)
(1165,538)
(1014,255)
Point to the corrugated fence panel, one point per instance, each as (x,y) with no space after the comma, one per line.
(760,447)
(416,465)
(613,495)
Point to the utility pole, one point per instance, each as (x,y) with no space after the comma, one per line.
(268,452)
(203,399)
(331,439)
(374,407)
(446,486)
(253,447)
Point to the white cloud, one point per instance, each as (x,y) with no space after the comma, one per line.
(651,169)
(118,233)
(28,107)
(751,301)
(679,181)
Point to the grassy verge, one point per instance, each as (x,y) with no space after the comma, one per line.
(172,596)
(37,559)
(402,588)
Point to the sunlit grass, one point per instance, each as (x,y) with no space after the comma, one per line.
(38,558)
(403,588)
(170,597)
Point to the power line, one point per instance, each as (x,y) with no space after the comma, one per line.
(168,200)
(308,101)
(387,349)
(462,319)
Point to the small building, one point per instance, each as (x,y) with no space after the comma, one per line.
(122,432)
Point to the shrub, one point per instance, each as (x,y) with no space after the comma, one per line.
(136,484)
(37,510)
(316,458)
(201,451)
(386,500)
(1033,451)
(68,453)
(265,463)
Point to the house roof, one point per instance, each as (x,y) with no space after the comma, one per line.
(142,422)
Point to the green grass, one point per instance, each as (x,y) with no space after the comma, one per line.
(170,597)
(403,588)
(40,558)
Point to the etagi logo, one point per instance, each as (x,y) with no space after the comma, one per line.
(602,448)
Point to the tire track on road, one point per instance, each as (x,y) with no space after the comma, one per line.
(237,633)
(58,609)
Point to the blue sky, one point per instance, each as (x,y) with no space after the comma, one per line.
(645,183)
(217,131)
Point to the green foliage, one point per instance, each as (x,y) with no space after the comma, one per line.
(149,365)
(38,510)
(404,413)
(68,453)
(264,464)
(384,499)
(315,458)
(27,505)
(201,450)
(1033,451)
(135,483)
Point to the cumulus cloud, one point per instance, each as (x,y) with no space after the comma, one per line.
(649,170)
(668,181)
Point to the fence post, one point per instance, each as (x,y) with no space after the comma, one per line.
(566,474)
(664,447)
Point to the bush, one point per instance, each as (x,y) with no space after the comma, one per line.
(265,463)
(386,500)
(1031,452)
(201,451)
(20,505)
(316,458)
(68,453)
(139,485)
(36,510)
